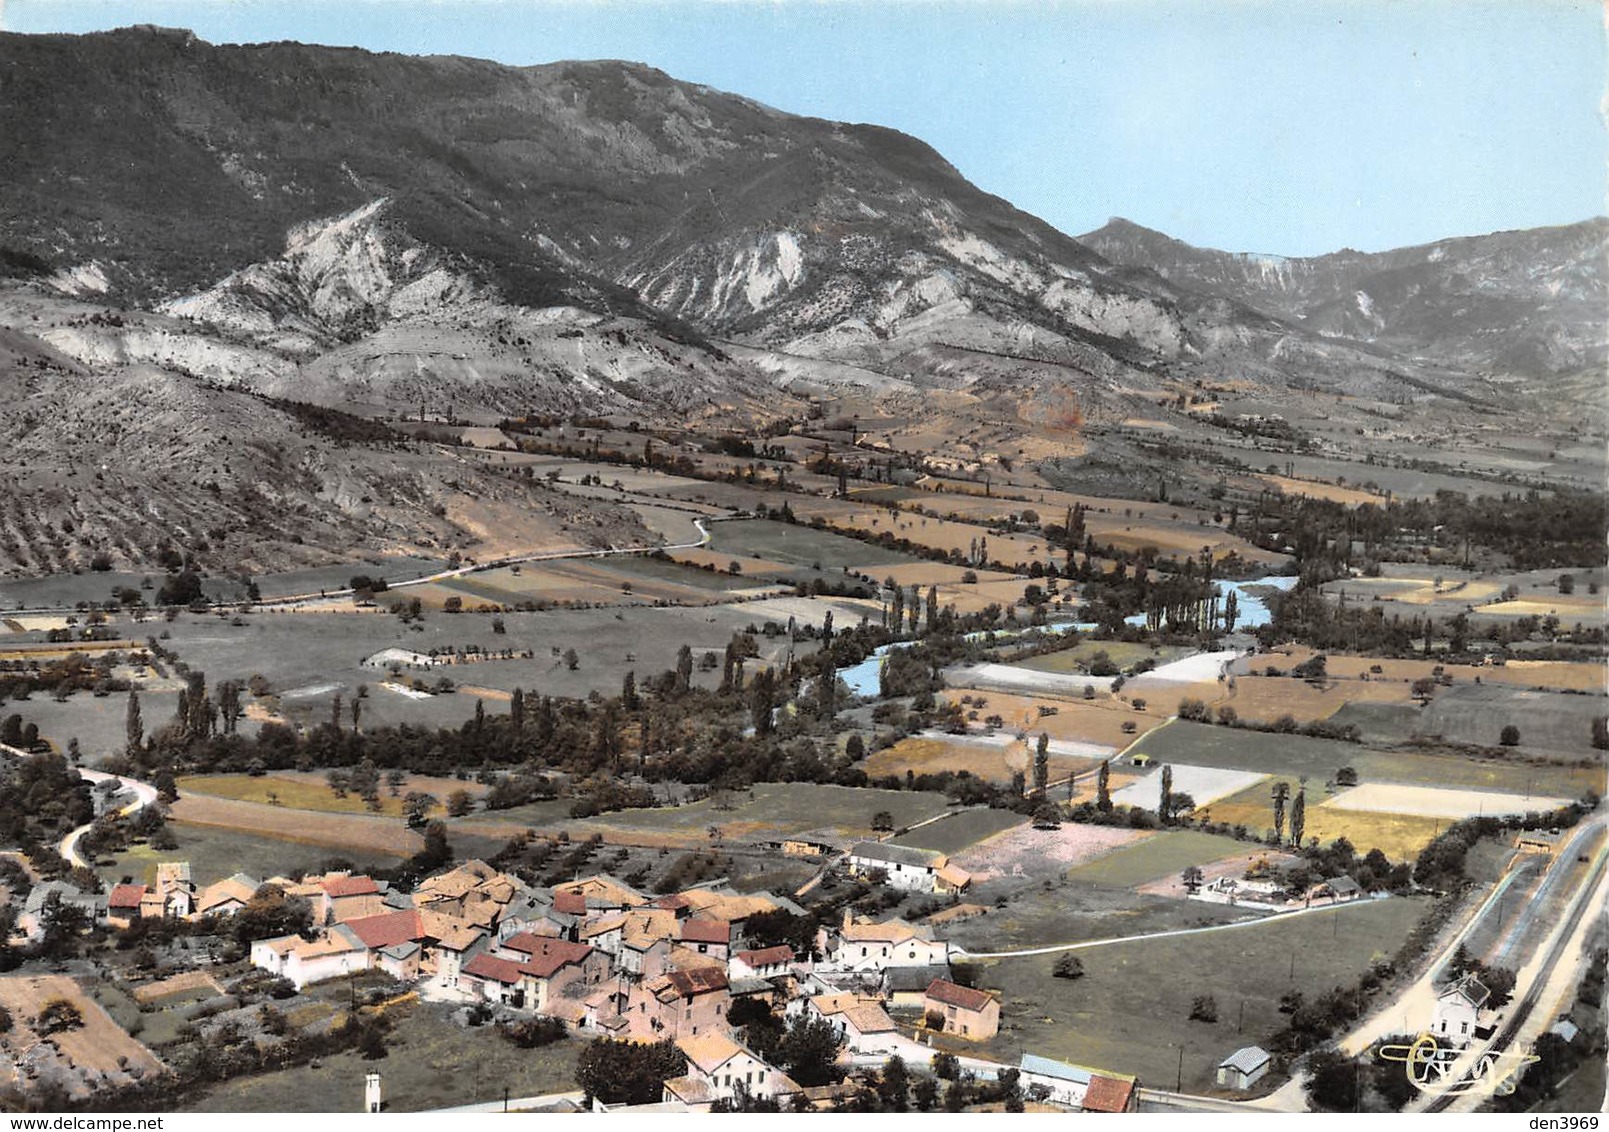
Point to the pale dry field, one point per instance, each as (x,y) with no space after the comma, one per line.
(1436,802)
(1333,492)
(100,1047)
(308,827)
(1206,784)
(1266,698)
(1029,850)
(1564,675)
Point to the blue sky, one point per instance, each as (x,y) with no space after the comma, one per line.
(1296,127)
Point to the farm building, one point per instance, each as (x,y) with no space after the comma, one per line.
(1458,1010)
(863,1023)
(918,870)
(1109,1092)
(964,1011)
(1245,1067)
(1337,890)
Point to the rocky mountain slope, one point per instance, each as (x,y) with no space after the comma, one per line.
(333,198)
(1528,303)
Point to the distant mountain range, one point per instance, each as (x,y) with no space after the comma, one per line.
(1529,302)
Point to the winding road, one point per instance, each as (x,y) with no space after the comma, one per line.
(144,794)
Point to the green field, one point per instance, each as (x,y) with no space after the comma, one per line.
(1170,851)
(216,853)
(956,832)
(431,1063)
(1129,1013)
(1124,654)
(761,813)
(796,545)
(1297,756)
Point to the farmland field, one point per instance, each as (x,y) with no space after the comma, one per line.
(1428,801)
(1399,836)
(99,1047)
(350,833)
(768,810)
(1098,720)
(993,758)
(215,853)
(1131,992)
(1203,783)
(953,833)
(1044,852)
(796,545)
(1296,756)
(1168,851)
(1121,653)
(1549,722)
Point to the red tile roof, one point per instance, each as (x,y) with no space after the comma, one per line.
(351,886)
(767,956)
(571,903)
(707,931)
(1108,1094)
(554,955)
(698,980)
(126,896)
(527,942)
(951,994)
(484,966)
(388,928)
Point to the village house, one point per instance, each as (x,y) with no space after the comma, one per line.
(338,952)
(227,896)
(1245,1067)
(1336,890)
(904,987)
(1458,1011)
(35,909)
(605,932)
(718,1068)
(123,904)
(764,963)
(862,1022)
(679,1004)
(351,897)
(549,967)
(876,947)
(963,1011)
(493,979)
(707,937)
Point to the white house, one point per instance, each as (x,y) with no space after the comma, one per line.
(1458,1011)
(1245,1067)
(302,962)
(762,963)
(877,947)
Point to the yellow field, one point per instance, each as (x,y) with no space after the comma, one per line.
(310,793)
(1575,607)
(1398,836)
(1265,698)
(1089,721)
(306,827)
(1333,492)
(995,764)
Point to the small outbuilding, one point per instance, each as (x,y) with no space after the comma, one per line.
(1245,1067)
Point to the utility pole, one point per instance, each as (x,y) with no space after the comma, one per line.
(1179,1085)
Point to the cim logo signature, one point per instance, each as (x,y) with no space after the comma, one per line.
(1429,1065)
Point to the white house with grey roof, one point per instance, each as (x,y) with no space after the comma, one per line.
(1458,1010)
(907,867)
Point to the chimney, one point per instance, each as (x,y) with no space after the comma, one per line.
(849,918)
(371,1092)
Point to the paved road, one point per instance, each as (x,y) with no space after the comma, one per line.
(144,795)
(518,1104)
